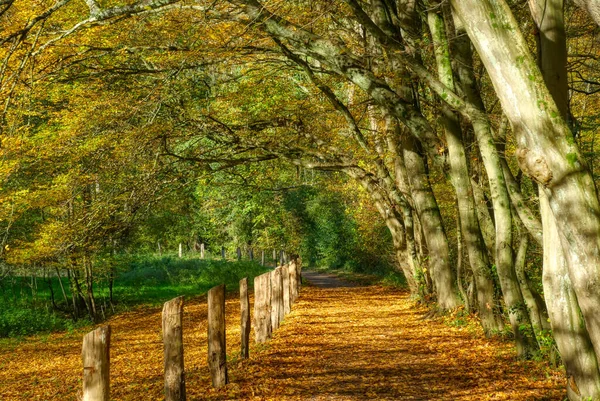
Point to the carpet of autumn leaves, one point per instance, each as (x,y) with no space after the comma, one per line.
(357,343)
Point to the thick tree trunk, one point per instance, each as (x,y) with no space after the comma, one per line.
(459,176)
(568,327)
(547,151)
(442,275)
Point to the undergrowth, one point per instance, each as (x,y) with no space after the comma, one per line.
(142,280)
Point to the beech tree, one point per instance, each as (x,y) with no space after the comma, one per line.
(411,100)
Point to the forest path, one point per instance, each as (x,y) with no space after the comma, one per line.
(347,342)
(338,343)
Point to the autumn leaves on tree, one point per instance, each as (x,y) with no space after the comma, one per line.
(466,133)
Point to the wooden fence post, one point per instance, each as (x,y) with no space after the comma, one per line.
(275,256)
(223,252)
(239,253)
(262,257)
(245,318)
(251,253)
(95,355)
(276,299)
(291,267)
(172,316)
(285,288)
(180,250)
(217,351)
(202,250)
(262,307)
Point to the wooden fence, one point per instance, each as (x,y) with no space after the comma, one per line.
(274,294)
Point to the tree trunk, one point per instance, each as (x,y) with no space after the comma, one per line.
(547,152)
(459,176)
(172,317)
(95,355)
(217,350)
(569,329)
(62,287)
(431,221)
(245,319)
(511,291)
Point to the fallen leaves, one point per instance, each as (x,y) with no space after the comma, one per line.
(357,343)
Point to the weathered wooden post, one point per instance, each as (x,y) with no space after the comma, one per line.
(95,355)
(202,250)
(276,299)
(262,257)
(217,351)
(275,256)
(281,257)
(291,267)
(285,288)
(239,253)
(180,250)
(262,307)
(251,254)
(223,252)
(172,316)
(245,318)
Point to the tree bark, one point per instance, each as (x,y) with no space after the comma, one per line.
(217,350)
(511,291)
(442,275)
(546,150)
(172,318)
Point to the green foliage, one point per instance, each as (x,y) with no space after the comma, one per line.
(145,279)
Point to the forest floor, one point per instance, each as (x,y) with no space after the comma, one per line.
(339,343)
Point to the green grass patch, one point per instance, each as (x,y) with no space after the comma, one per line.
(142,280)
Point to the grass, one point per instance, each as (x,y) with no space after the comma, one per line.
(143,280)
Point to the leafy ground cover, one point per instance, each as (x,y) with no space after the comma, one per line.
(357,343)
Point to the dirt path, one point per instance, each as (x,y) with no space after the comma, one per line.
(339,343)
(323,280)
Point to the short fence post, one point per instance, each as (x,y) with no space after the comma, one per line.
(262,307)
(95,355)
(262,258)
(180,250)
(239,253)
(223,252)
(217,356)
(245,318)
(251,254)
(172,316)
(276,299)
(275,256)
(202,250)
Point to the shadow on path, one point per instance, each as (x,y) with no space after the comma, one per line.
(347,342)
(324,280)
